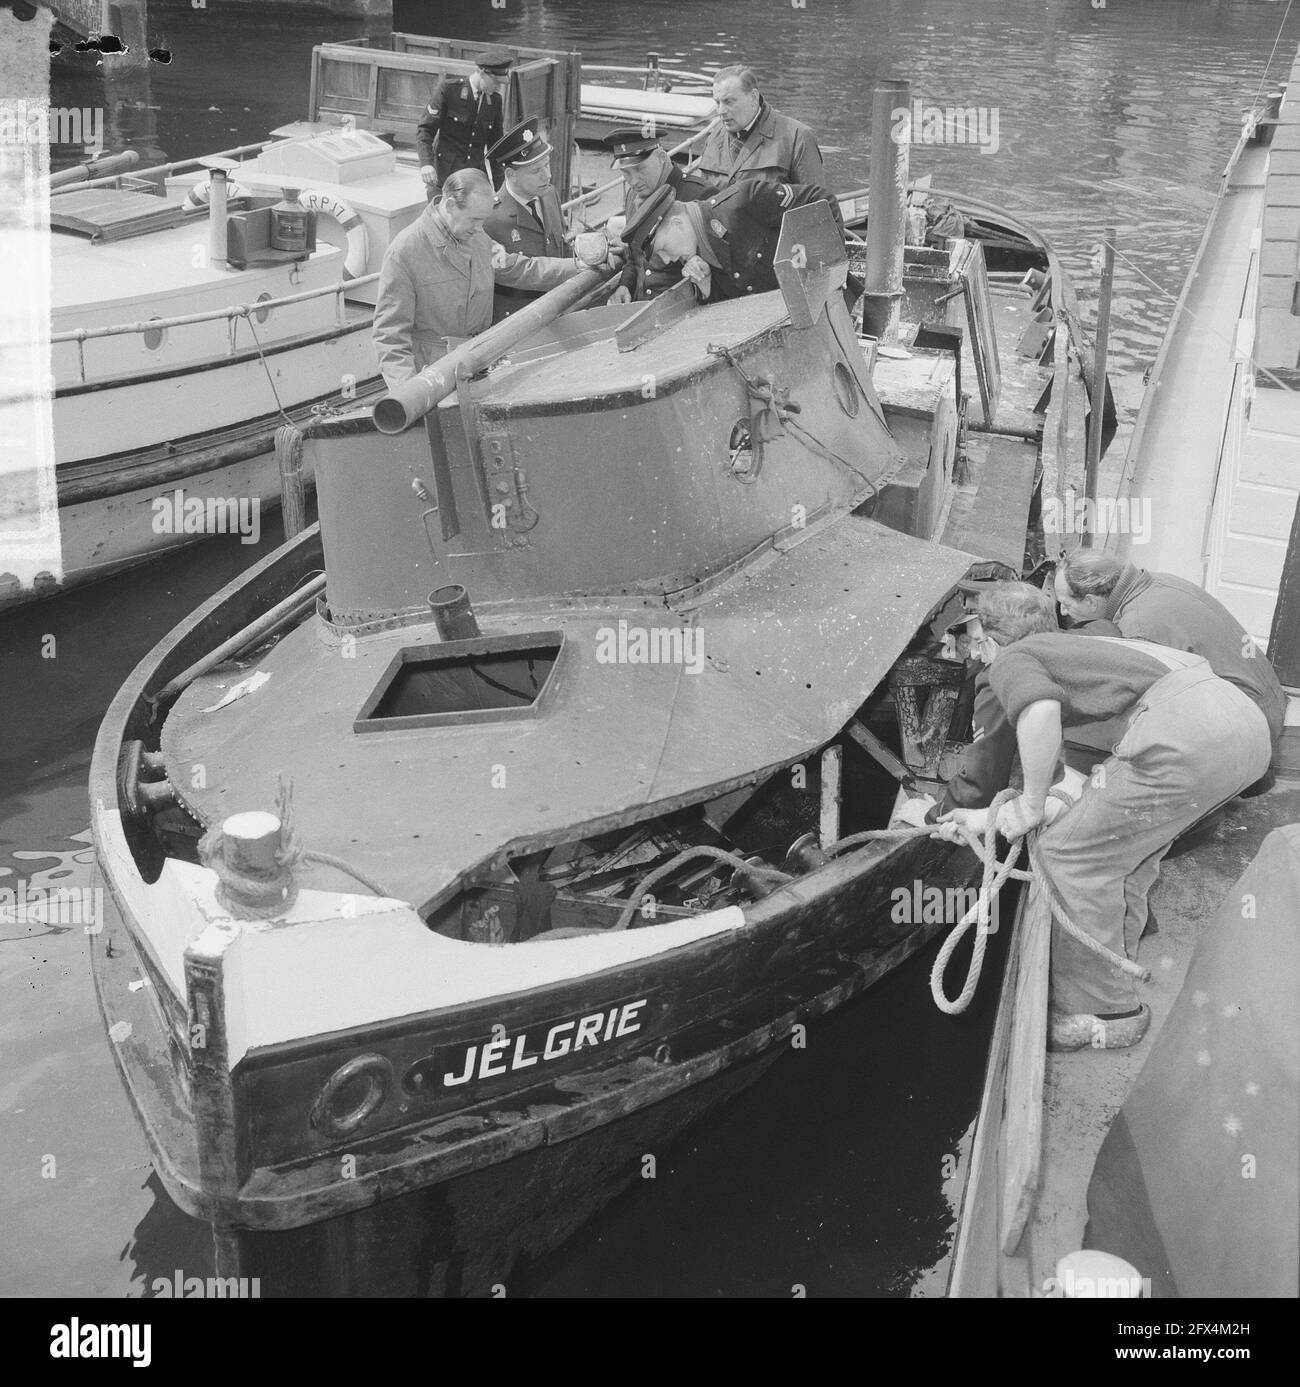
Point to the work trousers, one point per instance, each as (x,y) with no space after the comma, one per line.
(1193,742)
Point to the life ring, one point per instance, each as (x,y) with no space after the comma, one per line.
(201,193)
(350,223)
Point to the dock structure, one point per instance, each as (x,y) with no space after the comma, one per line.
(1215,454)
(81,17)
(126,19)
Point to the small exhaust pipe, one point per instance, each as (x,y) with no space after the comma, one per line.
(217,246)
(887,209)
(452,613)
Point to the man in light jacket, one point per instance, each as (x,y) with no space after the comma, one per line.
(439,274)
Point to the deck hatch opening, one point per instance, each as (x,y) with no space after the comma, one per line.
(454,683)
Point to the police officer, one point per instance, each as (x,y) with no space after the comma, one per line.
(755,141)
(646,166)
(527,217)
(437,278)
(463,117)
(725,243)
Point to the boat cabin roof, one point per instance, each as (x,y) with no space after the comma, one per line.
(569,374)
(157,272)
(109,214)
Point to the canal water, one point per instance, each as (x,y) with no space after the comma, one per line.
(829,1177)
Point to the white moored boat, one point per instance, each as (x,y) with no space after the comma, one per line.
(181,340)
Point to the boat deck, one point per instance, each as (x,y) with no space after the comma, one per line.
(156,274)
(989,511)
(626,734)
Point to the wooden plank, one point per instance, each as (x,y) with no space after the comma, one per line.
(982,334)
(973,1273)
(1284,640)
(993,525)
(1022,1124)
(878,751)
(671,306)
(831,776)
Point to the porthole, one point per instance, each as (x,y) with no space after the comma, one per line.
(846,389)
(154,337)
(262,314)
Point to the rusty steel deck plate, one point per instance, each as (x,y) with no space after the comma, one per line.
(790,647)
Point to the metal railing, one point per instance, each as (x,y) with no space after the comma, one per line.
(232,315)
(116,178)
(652,70)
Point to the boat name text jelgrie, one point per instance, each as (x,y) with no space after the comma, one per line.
(504,1052)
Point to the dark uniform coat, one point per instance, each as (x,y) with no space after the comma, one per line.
(638,278)
(513,226)
(778,149)
(432,287)
(458,129)
(742,225)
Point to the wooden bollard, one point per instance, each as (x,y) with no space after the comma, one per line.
(288,457)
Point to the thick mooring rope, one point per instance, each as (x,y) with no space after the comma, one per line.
(994,874)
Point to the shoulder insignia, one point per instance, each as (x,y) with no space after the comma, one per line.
(514,234)
(717,227)
(787,194)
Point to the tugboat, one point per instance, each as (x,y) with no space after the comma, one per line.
(465,874)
